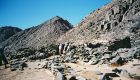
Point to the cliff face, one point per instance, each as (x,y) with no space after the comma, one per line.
(40,36)
(116,20)
(7,31)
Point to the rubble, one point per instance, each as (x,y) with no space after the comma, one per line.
(16,64)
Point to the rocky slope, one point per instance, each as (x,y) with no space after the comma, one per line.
(116,20)
(39,36)
(7,31)
(108,46)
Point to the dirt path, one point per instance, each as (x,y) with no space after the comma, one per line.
(30,73)
(89,71)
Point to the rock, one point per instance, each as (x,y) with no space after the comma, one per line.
(98,73)
(24,59)
(16,64)
(116,70)
(108,17)
(42,65)
(124,43)
(115,23)
(13,67)
(93,61)
(65,48)
(40,55)
(90,45)
(130,1)
(107,26)
(135,76)
(121,52)
(60,76)
(108,76)
(80,78)
(106,56)
(61,47)
(117,60)
(133,53)
(86,60)
(22,65)
(116,9)
(71,78)
(125,73)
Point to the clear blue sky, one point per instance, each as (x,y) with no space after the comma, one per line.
(28,13)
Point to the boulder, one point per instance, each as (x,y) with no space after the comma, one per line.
(123,43)
(116,70)
(122,72)
(122,52)
(108,76)
(117,60)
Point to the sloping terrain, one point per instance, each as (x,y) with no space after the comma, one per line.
(116,20)
(7,31)
(39,36)
(103,46)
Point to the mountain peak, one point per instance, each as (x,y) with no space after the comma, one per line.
(42,35)
(56,18)
(53,20)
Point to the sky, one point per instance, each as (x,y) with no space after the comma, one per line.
(28,13)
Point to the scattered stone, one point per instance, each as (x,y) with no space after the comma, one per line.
(16,64)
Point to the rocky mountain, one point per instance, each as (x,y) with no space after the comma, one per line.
(105,45)
(39,36)
(7,31)
(114,21)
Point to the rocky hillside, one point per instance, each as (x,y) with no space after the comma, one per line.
(39,36)
(7,31)
(116,20)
